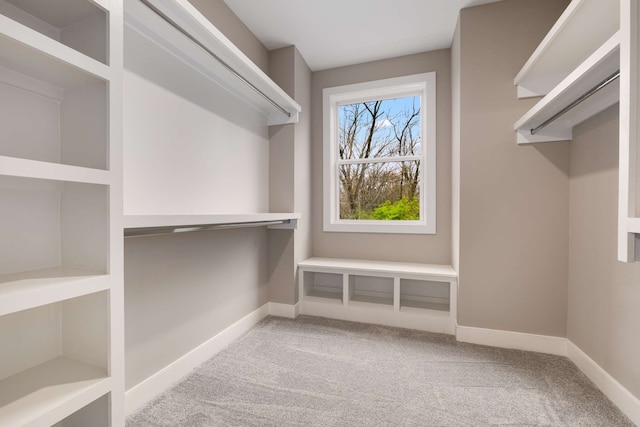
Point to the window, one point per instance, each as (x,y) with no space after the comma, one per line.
(379,156)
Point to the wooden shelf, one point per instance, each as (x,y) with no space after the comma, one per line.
(583,27)
(21,291)
(28,52)
(12,166)
(47,393)
(601,64)
(144,20)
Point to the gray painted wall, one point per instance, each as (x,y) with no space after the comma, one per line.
(234,29)
(182,290)
(290,175)
(603,315)
(434,249)
(514,201)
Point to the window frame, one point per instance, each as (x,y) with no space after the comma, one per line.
(424,85)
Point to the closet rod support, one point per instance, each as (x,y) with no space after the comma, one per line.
(582,98)
(214,56)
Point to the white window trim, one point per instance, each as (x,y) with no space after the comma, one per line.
(418,84)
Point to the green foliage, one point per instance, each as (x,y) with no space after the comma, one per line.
(403,209)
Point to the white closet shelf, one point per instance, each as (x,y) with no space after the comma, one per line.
(378,268)
(197,47)
(184,223)
(25,290)
(46,59)
(47,393)
(633,225)
(601,64)
(12,166)
(581,29)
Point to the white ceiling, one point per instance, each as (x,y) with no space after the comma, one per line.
(333,33)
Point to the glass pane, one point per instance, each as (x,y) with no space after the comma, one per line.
(380,191)
(385,128)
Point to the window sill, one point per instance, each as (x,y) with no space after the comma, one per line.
(383,227)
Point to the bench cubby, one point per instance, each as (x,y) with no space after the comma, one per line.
(408,295)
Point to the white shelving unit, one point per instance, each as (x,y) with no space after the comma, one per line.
(416,296)
(199,42)
(61,290)
(579,52)
(597,67)
(591,40)
(628,208)
(583,27)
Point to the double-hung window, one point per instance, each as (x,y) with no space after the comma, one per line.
(379,156)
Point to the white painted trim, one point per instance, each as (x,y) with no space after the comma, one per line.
(290,311)
(514,340)
(616,392)
(420,319)
(142,393)
(423,84)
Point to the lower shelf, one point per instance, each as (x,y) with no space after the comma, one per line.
(21,291)
(412,305)
(47,393)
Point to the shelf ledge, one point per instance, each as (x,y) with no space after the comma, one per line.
(389,269)
(13,166)
(22,291)
(47,393)
(46,59)
(200,47)
(148,225)
(582,27)
(602,63)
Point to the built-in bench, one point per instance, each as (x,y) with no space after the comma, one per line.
(416,296)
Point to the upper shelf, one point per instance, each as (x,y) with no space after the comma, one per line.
(11,166)
(30,53)
(146,225)
(601,64)
(583,27)
(198,43)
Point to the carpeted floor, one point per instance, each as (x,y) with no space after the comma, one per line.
(319,372)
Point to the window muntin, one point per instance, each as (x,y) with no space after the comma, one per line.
(380,156)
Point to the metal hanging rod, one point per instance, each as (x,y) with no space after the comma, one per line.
(214,56)
(171,229)
(592,91)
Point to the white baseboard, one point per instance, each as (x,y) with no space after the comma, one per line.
(616,392)
(424,320)
(620,396)
(515,340)
(140,394)
(284,310)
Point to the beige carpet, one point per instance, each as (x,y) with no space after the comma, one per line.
(319,372)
